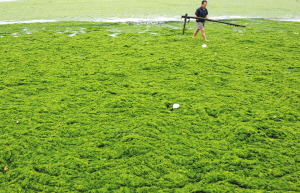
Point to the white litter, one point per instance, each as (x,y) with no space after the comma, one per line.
(113,35)
(175,106)
(204,46)
(274,117)
(71,35)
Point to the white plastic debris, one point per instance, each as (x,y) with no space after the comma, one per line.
(113,35)
(204,46)
(175,106)
(274,117)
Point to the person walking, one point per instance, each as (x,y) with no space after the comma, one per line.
(201,12)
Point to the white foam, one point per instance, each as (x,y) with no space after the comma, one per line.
(122,20)
(168,19)
(159,19)
(146,20)
(134,20)
(287,19)
(29,21)
(232,17)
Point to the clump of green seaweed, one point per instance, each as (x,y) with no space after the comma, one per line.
(94,102)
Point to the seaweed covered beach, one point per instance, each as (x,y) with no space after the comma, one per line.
(88,107)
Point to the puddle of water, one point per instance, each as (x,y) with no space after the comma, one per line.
(82,30)
(73,34)
(141,32)
(26,31)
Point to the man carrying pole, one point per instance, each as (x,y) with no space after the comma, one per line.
(201,12)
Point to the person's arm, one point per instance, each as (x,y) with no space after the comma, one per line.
(208,17)
(196,16)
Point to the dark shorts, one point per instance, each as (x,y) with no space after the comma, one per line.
(200,25)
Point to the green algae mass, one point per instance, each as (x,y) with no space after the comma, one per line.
(94,102)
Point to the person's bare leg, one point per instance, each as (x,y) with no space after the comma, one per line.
(203,34)
(197,30)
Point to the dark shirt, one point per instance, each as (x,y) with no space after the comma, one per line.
(201,13)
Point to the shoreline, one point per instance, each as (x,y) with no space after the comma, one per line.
(143,20)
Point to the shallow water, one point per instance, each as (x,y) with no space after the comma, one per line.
(135,10)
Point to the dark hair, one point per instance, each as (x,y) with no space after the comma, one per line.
(204,2)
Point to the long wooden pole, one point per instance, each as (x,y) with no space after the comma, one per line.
(184,22)
(190,17)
